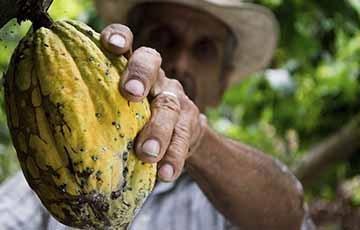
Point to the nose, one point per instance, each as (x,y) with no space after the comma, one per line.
(179,65)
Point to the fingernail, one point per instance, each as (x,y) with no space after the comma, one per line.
(117,40)
(166,172)
(135,87)
(151,147)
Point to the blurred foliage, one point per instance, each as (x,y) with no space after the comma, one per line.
(311,91)
(351,190)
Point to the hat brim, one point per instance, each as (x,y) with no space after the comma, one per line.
(254,26)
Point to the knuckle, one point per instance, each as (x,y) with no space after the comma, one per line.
(149,51)
(141,63)
(149,55)
(167,103)
(158,126)
(140,68)
(189,106)
(194,108)
(162,73)
(141,71)
(182,132)
(161,76)
(176,85)
(182,142)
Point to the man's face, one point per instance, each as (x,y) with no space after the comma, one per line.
(192,47)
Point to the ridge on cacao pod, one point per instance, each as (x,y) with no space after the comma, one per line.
(72,129)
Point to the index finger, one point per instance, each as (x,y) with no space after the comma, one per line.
(117,39)
(142,73)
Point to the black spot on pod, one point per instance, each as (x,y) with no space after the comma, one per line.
(98,175)
(82,183)
(138,116)
(123,186)
(116,194)
(86,173)
(94,158)
(125,156)
(78,163)
(52,171)
(130,145)
(125,173)
(115,215)
(62,188)
(127,204)
(117,125)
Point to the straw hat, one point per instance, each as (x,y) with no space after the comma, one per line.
(254,26)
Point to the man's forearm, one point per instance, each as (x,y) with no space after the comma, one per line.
(248,187)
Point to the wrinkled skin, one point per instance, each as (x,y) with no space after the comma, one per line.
(248,187)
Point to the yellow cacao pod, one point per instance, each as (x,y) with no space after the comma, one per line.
(72,129)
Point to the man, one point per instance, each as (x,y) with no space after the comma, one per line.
(209,182)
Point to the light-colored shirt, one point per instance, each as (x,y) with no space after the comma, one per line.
(171,206)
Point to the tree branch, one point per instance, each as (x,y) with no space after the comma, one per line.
(339,146)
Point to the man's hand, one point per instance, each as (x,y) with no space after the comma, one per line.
(176,125)
(245,185)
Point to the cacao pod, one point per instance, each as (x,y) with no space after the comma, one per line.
(72,129)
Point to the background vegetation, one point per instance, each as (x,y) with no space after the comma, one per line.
(311,93)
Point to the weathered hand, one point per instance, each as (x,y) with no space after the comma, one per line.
(176,125)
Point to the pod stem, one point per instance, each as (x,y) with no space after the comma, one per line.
(42,20)
(36,11)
